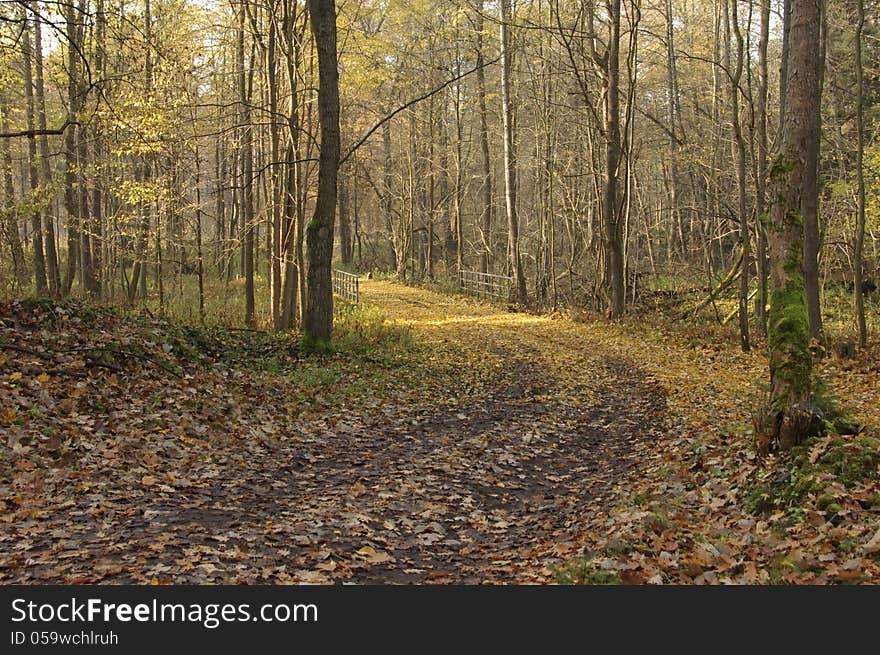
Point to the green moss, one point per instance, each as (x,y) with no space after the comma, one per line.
(314,345)
(781,166)
(851,460)
(847,461)
(794,217)
(789,341)
(833,509)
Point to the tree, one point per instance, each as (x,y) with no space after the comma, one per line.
(810,208)
(318,315)
(761,166)
(486,187)
(40,279)
(518,291)
(731,20)
(858,254)
(791,414)
(609,64)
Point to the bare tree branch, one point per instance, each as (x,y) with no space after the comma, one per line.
(30,134)
(409,104)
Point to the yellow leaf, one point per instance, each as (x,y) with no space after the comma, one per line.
(15,377)
(8,415)
(43,378)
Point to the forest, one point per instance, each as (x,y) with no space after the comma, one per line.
(374,291)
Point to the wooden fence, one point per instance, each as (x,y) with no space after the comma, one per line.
(485,285)
(346,285)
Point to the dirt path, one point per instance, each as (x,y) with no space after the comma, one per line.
(488,480)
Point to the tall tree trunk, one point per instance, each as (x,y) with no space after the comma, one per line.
(292,272)
(486,161)
(40,281)
(52,269)
(518,290)
(791,415)
(731,21)
(275,169)
(247,173)
(610,204)
(761,178)
(138,283)
(97,202)
(671,109)
(810,207)
(860,179)
(71,192)
(318,316)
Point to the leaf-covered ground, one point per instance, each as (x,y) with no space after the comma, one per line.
(468,444)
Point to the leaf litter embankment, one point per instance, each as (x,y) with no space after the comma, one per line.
(480,464)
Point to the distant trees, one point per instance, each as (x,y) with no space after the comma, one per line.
(588,149)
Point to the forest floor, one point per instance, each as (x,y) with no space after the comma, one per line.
(446,441)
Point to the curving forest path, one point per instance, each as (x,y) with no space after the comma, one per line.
(486,463)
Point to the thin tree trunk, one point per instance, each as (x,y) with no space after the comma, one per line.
(810,207)
(860,179)
(486,183)
(672,106)
(761,178)
(731,21)
(275,168)
(41,284)
(344,221)
(247,174)
(10,217)
(52,270)
(138,282)
(518,290)
(610,205)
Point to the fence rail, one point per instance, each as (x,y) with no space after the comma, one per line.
(485,285)
(346,285)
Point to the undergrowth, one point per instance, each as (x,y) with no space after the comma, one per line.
(814,473)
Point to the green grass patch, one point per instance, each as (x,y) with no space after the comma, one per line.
(583,571)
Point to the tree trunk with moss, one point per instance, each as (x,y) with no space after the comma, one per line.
(318,315)
(792,417)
